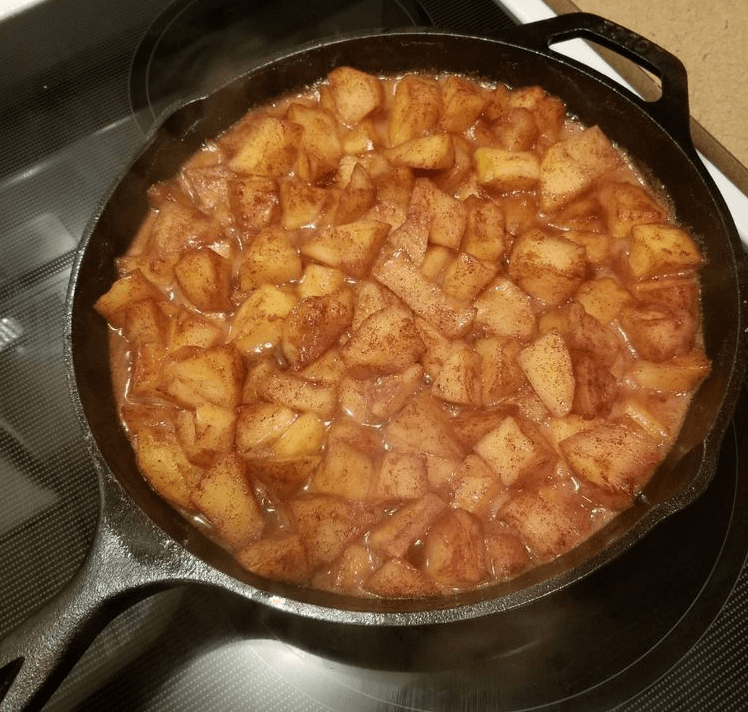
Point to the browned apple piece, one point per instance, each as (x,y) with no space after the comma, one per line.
(127,290)
(465,277)
(584,214)
(188,330)
(144,322)
(215,375)
(603,298)
(297,393)
(205,279)
(447,215)
(500,372)
(402,475)
(626,205)
(254,202)
(402,276)
(328,369)
(423,426)
(595,386)
(597,246)
(549,112)
(471,424)
(517,129)
(300,203)
(459,380)
(258,322)
(147,369)
(259,425)
(570,167)
(314,325)
(681,294)
(615,455)
(505,310)
(547,364)
(208,182)
(282,476)
(454,550)
(164,464)
(327,524)
(549,518)
(507,553)
(475,486)
(206,432)
(549,267)
(396,578)
(395,534)
(678,375)
(348,573)
(435,260)
(435,153)
(416,108)
(661,249)
(346,472)
(513,452)
(484,236)
(279,556)
(270,258)
(225,497)
(304,436)
(358,196)
(413,237)
(355,93)
(505,170)
(320,150)
(318,280)
(463,102)
(262,145)
(657,332)
(351,248)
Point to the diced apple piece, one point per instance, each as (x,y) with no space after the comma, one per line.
(615,455)
(507,553)
(395,534)
(595,387)
(463,103)
(435,260)
(626,205)
(548,267)
(584,214)
(205,279)
(351,248)
(402,276)
(423,426)
(475,486)
(637,409)
(263,146)
(402,475)
(548,111)
(355,93)
(147,372)
(346,472)
(597,246)
(413,237)
(208,183)
(447,215)
(396,578)
(320,150)
(259,425)
(500,372)
(371,297)
(144,322)
(466,276)
(416,109)
(435,152)
(470,425)
(516,130)
(206,432)
(550,518)
(258,322)
(225,497)
(603,298)
(484,236)
(657,332)
(279,556)
(505,310)
(314,325)
(658,249)
(512,453)
(304,436)
(254,202)
(349,573)
(454,550)
(271,258)
(358,196)
(282,476)
(328,369)
(459,380)
(570,167)
(327,524)
(215,376)
(547,364)
(507,171)
(299,394)
(189,330)
(678,375)
(127,290)
(301,203)
(318,280)
(164,464)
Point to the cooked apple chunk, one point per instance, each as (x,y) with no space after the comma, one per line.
(320,149)
(435,153)
(281,476)
(133,287)
(402,475)
(206,432)
(484,236)
(446,216)
(205,279)
(466,276)
(300,394)
(258,322)
(680,374)
(346,472)
(459,380)
(396,578)
(463,103)
(507,171)
(254,202)
(475,485)
(279,556)
(262,146)
(658,332)
(259,425)
(416,109)
(547,364)
(358,196)
(300,203)
(660,249)
(626,205)
(355,93)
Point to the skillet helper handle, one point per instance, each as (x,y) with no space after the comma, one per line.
(117,573)
(670,110)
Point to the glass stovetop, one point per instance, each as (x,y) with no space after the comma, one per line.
(82,84)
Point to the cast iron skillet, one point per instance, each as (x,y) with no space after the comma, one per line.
(142,545)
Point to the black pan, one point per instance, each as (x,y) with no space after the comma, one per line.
(142,545)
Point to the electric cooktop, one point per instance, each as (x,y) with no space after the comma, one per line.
(661,628)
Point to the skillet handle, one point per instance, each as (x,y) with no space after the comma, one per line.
(670,110)
(118,572)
